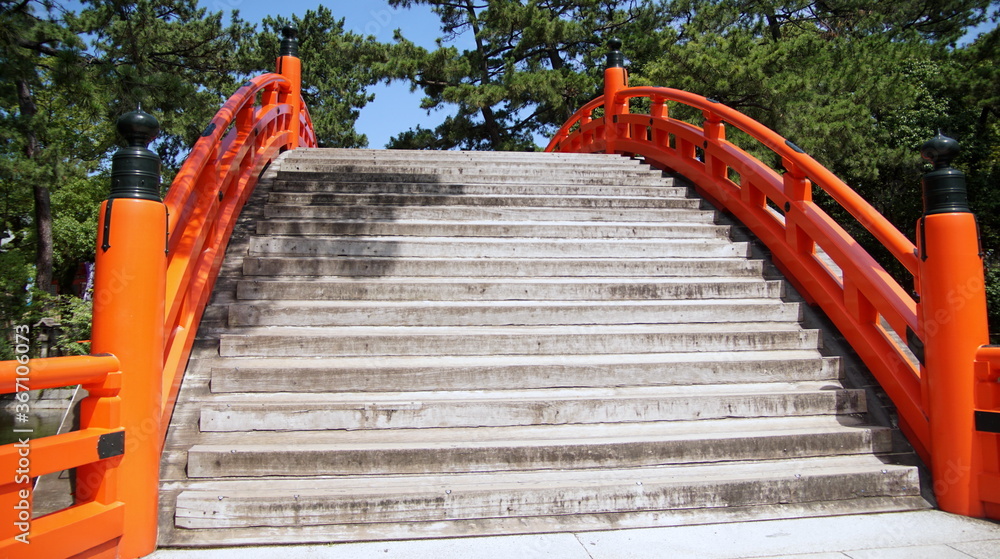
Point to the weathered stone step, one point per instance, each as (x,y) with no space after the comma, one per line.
(663,189)
(436,159)
(471,213)
(514,200)
(417,410)
(457,156)
(402,288)
(533,229)
(501,313)
(493,267)
(495,247)
(484,449)
(426,501)
(424,373)
(510,175)
(514,340)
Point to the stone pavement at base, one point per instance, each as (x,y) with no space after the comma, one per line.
(906,535)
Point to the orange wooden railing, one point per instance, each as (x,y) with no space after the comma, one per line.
(923,354)
(97,445)
(156,266)
(987,401)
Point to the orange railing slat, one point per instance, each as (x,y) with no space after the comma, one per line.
(56,372)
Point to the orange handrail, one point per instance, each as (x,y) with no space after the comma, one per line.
(98,443)
(922,353)
(857,294)
(150,293)
(206,197)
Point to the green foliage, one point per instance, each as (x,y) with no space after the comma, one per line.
(531,66)
(59,97)
(334,75)
(70,317)
(858,85)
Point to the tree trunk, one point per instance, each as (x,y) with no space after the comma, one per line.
(40,193)
(492,128)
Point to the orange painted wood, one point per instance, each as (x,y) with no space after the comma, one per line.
(56,372)
(70,532)
(56,453)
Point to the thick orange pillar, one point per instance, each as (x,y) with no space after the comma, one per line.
(289,65)
(952,314)
(129,287)
(615,80)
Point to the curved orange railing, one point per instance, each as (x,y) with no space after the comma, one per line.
(868,306)
(206,197)
(922,353)
(156,267)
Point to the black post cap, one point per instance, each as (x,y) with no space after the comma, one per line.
(289,41)
(615,57)
(944,188)
(135,170)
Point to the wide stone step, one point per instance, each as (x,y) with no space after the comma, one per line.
(495,247)
(493,267)
(514,340)
(534,229)
(535,447)
(389,199)
(664,188)
(401,288)
(474,213)
(442,159)
(501,169)
(439,409)
(469,175)
(458,157)
(501,313)
(426,502)
(428,373)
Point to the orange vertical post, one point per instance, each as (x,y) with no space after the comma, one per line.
(615,80)
(129,292)
(289,65)
(952,314)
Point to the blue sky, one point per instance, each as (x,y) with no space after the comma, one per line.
(395,108)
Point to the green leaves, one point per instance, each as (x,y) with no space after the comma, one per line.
(337,66)
(859,86)
(531,64)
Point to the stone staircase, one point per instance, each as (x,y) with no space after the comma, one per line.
(432,344)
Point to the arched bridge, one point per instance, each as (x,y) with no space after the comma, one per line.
(308,345)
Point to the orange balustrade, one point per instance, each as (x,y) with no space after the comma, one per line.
(97,444)
(207,195)
(884,324)
(157,264)
(986,444)
(869,307)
